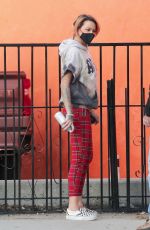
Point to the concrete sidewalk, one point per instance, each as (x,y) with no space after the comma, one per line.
(105,221)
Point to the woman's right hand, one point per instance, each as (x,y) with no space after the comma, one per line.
(95,117)
(68,122)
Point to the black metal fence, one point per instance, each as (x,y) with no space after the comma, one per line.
(35,153)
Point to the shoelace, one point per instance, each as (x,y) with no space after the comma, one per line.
(86,212)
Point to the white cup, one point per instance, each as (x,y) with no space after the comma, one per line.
(61,119)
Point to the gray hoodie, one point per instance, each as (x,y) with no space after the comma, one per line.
(76,58)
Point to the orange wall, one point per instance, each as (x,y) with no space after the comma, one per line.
(49,21)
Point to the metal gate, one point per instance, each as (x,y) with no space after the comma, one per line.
(35,153)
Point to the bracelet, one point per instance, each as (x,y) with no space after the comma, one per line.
(69,114)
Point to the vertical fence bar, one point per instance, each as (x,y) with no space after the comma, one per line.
(46,123)
(116,187)
(109,163)
(32,123)
(142,153)
(19,124)
(5,109)
(101,129)
(114,80)
(112,143)
(60,147)
(14,150)
(127,97)
(51,149)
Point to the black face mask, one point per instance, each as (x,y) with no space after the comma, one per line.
(87,37)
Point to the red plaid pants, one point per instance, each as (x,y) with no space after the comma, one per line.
(81,149)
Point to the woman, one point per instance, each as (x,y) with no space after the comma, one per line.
(79,99)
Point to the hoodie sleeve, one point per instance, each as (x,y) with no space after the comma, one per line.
(72,62)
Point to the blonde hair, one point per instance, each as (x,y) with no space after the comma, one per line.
(78,23)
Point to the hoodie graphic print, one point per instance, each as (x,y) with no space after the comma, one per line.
(76,58)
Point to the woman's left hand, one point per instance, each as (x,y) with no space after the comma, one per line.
(95,116)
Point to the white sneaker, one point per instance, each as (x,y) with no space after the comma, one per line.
(82,214)
(146,226)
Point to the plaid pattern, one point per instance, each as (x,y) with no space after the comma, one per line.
(81,148)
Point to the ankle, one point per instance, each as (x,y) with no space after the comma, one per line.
(73,208)
(80,205)
(75,203)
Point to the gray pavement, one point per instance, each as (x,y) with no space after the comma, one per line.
(105,221)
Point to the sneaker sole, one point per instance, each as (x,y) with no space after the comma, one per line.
(69,217)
